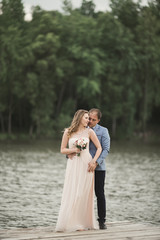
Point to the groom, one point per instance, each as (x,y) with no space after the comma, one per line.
(100,165)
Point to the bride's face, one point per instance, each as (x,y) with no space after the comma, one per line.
(85,120)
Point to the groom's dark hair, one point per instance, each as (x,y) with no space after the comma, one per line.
(98,112)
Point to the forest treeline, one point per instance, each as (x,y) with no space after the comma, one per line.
(60,62)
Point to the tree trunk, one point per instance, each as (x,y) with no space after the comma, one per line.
(114,125)
(145,106)
(10,120)
(38,128)
(10,112)
(31,131)
(20,120)
(60,98)
(2,123)
(10,123)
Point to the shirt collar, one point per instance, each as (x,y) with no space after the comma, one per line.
(94,127)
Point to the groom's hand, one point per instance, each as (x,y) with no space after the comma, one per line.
(71,155)
(92,166)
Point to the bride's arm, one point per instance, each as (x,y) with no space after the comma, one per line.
(96,142)
(64,149)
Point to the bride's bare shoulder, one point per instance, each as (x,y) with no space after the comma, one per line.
(90,131)
(65,132)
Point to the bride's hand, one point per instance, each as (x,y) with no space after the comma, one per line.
(92,165)
(77,150)
(71,155)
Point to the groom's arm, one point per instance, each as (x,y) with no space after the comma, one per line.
(105,144)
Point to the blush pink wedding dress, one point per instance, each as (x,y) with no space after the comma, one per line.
(77,204)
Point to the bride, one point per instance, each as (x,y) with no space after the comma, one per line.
(77,204)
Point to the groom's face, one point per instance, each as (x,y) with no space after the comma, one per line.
(93,119)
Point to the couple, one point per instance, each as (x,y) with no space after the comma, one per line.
(77,204)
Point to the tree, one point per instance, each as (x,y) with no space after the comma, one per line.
(127,12)
(58,63)
(67,6)
(40,71)
(117,81)
(148,69)
(87,8)
(13,12)
(10,59)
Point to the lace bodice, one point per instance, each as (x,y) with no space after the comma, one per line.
(75,136)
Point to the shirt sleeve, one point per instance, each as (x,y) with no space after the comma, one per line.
(105,144)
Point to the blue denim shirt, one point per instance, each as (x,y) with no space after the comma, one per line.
(104,138)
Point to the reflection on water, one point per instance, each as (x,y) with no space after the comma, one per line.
(31,181)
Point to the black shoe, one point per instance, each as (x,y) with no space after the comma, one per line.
(102,226)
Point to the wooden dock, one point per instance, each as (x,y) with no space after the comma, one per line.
(115,231)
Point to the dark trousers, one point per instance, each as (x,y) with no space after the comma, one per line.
(99,191)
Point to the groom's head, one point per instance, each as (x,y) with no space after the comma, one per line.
(94,117)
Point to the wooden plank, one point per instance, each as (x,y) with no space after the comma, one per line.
(115,231)
(51,229)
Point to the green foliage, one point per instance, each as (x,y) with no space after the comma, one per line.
(87,8)
(58,63)
(127,12)
(64,119)
(13,13)
(148,63)
(67,6)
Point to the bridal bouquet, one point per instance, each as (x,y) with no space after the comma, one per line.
(81,144)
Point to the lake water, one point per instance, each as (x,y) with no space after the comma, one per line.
(32,175)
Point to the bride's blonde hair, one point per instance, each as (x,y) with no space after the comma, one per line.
(76,121)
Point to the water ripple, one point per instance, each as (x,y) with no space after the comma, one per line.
(31,185)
